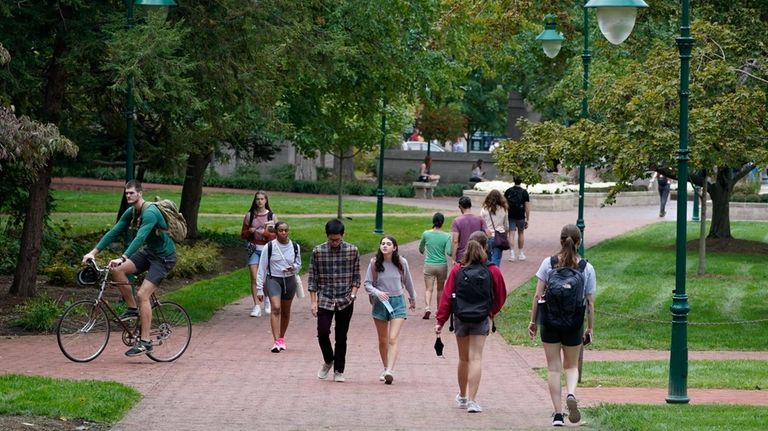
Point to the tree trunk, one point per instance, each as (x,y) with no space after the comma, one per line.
(702,229)
(720,192)
(339,188)
(30,244)
(345,165)
(192,190)
(305,168)
(31,241)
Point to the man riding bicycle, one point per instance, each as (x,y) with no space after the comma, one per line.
(146,225)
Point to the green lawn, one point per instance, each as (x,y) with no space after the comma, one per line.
(69,201)
(96,401)
(635,280)
(674,417)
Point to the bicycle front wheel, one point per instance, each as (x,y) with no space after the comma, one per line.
(83,331)
(170,332)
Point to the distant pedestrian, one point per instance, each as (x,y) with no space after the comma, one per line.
(494,214)
(519,204)
(478,173)
(278,267)
(424,169)
(334,279)
(258,229)
(416,135)
(387,279)
(435,245)
(663,184)
(474,293)
(560,330)
(463,226)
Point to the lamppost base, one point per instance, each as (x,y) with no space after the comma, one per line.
(677,399)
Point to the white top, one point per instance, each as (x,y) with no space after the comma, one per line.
(590,279)
(500,219)
(282,258)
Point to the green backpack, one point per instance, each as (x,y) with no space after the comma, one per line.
(177,225)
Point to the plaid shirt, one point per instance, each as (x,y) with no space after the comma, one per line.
(333,272)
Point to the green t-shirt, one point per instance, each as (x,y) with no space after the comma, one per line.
(152,232)
(436,246)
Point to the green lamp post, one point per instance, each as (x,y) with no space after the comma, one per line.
(616,19)
(379,227)
(130,112)
(678,356)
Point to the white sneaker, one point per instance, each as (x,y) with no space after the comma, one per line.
(323,373)
(521,255)
(381,376)
(267,306)
(473,407)
(511,256)
(256,312)
(338,377)
(461,402)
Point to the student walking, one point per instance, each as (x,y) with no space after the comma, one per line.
(258,229)
(334,279)
(494,214)
(435,245)
(519,205)
(663,184)
(278,268)
(463,226)
(474,293)
(562,329)
(387,276)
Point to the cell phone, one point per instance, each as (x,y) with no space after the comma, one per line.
(587,338)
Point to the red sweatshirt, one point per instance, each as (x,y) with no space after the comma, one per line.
(499,293)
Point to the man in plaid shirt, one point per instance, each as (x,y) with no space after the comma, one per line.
(334,277)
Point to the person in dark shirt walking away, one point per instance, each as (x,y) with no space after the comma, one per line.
(334,279)
(463,226)
(146,225)
(519,205)
(663,183)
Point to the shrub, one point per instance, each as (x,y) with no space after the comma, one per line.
(40,313)
(200,258)
(60,274)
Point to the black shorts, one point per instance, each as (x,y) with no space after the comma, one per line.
(157,267)
(565,337)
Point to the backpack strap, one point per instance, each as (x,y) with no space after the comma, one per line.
(269,259)
(582,265)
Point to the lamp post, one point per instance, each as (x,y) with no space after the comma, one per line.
(379,227)
(678,355)
(616,19)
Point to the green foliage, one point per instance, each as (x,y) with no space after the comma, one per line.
(200,258)
(40,313)
(283,173)
(747,186)
(97,401)
(445,123)
(60,274)
(677,417)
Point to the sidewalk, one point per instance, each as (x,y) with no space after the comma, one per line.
(229,380)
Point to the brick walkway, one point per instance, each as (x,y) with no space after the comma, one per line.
(229,380)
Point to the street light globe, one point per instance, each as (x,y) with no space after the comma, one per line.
(551,47)
(616,18)
(551,40)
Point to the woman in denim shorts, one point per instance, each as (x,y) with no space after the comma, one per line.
(387,276)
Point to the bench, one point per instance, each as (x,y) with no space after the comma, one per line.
(424,189)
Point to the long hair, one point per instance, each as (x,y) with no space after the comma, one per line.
(493,201)
(395,256)
(477,164)
(570,237)
(253,203)
(427,160)
(474,253)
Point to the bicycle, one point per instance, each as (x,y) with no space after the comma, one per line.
(84,327)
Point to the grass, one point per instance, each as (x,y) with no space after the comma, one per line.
(702,374)
(91,400)
(69,201)
(675,417)
(635,280)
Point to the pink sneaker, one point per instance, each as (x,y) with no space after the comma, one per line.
(280,343)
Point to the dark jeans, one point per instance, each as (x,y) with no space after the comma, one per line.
(324,319)
(663,196)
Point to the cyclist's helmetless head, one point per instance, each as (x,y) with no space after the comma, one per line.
(133,192)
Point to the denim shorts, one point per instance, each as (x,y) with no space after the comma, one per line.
(254,254)
(157,267)
(399,309)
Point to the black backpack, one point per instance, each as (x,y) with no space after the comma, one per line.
(565,297)
(515,199)
(472,297)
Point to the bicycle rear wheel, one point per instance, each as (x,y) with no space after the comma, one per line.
(83,331)
(170,332)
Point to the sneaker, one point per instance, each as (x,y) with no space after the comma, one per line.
(381,376)
(276,348)
(557,420)
(256,312)
(338,377)
(574,415)
(323,373)
(521,255)
(426,315)
(141,347)
(511,256)
(267,306)
(473,407)
(461,402)
(129,314)
(281,343)
(388,377)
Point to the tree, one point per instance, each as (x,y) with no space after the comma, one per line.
(634,120)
